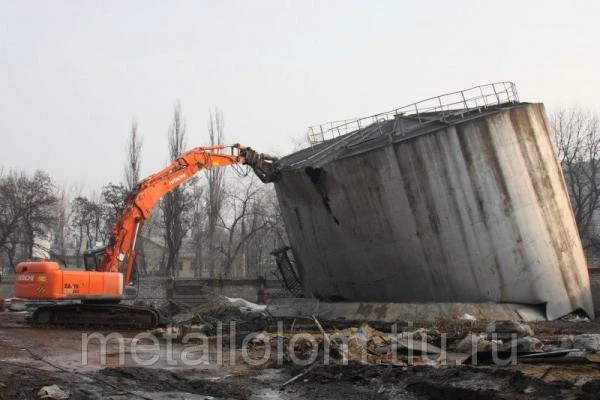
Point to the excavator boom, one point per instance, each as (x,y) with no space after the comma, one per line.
(140,203)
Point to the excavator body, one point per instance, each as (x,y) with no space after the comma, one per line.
(44,280)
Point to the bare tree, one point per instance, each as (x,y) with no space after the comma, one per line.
(215,192)
(177,203)
(257,250)
(134,158)
(27,211)
(88,222)
(9,219)
(113,199)
(246,219)
(10,213)
(132,178)
(577,134)
(62,220)
(110,206)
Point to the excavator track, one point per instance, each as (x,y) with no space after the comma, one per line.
(86,315)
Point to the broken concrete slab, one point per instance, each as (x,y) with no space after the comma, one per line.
(526,344)
(53,392)
(587,341)
(507,330)
(474,343)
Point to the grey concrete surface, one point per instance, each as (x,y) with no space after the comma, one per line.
(469,210)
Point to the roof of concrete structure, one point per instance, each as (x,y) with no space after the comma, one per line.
(382,133)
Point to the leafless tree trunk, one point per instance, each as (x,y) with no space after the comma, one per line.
(62,220)
(198,229)
(132,178)
(577,134)
(175,205)
(134,158)
(215,193)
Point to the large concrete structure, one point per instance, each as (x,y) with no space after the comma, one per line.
(461,202)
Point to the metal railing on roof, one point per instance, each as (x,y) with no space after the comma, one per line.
(477,97)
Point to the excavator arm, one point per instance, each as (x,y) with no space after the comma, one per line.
(140,203)
(108,270)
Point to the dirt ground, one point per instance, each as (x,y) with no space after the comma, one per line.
(161,368)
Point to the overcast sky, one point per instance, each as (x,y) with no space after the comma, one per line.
(73,74)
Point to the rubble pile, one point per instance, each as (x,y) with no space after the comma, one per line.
(503,339)
(215,312)
(366,345)
(451,359)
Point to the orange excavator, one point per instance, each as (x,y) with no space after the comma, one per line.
(101,286)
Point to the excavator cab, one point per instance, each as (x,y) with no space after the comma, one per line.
(92,259)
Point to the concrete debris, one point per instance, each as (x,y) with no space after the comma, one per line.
(364,361)
(467,317)
(526,344)
(246,306)
(423,335)
(587,341)
(479,344)
(475,343)
(418,347)
(362,345)
(366,345)
(207,316)
(506,330)
(503,336)
(53,392)
(219,307)
(575,317)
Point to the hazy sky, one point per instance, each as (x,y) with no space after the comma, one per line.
(73,74)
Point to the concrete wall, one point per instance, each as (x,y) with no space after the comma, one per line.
(476,211)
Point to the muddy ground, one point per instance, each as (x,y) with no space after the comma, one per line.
(224,368)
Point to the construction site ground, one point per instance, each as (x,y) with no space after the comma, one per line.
(32,358)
